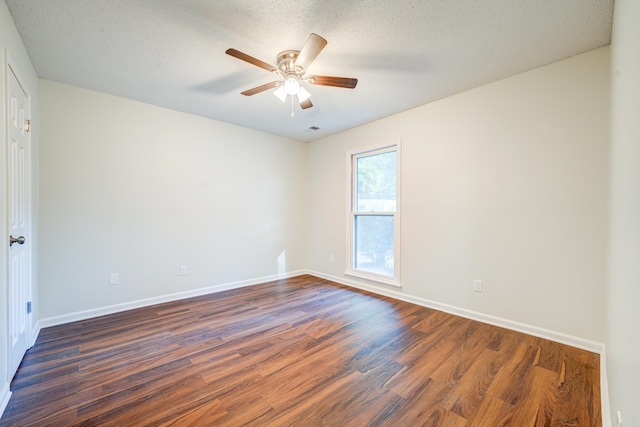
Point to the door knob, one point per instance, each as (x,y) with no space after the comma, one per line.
(19,240)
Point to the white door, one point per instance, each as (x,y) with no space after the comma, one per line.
(19,214)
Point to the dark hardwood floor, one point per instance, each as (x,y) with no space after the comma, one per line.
(299,352)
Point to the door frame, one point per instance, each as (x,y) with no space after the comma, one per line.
(11,67)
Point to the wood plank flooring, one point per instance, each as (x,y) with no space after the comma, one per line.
(299,352)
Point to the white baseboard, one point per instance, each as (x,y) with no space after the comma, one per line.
(559,337)
(35,331)
(604,390)
(5,395)
(101,311)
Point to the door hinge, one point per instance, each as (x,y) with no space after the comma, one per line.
(27,125)
(29,307)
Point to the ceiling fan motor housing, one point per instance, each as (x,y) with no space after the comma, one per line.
(287,64)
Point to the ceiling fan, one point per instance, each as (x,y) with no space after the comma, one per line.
(291,68)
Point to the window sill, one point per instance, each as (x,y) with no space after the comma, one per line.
(374,278)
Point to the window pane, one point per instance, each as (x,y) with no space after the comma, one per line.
(376,183)
(374,244)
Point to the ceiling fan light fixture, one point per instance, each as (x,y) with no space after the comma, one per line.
(291,85)
(280,93)
(303,94)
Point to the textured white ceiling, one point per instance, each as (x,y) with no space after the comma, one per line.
(404,53)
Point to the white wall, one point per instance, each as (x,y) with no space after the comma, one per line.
(139,190)
(11,43)
(623,338)
(507,183)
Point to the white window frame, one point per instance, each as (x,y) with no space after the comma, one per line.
(352,156)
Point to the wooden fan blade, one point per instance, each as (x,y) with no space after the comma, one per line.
(250,59)
(310,50)
(344,82)
(306,104)
(261,88)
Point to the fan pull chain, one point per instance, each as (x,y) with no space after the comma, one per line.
(292,113)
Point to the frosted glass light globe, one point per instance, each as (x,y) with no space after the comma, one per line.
(291,85)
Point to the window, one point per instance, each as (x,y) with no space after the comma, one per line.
(373,215)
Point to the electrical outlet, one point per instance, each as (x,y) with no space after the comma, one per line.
(114,278)
(331,258)
(619,418)
(183,270)
(477,285)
